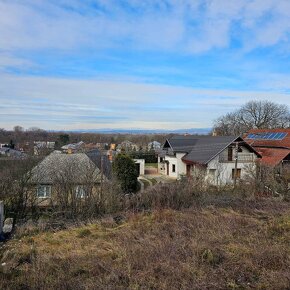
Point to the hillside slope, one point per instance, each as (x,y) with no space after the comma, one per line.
(208,248)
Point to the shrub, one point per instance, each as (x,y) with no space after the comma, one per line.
(126,173)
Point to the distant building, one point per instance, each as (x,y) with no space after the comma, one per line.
(11,153)
(41,147)
(73,147)
(127,146)
(154,145)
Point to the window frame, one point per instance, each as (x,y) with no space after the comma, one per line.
(80,191)
(46,191)
(173,168)
(239,173)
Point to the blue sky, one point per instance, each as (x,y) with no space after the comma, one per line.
(166,64)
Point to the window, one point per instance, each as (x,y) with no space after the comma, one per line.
(173,167)
(239,171)
(43,191)
(212,173)
(80,191)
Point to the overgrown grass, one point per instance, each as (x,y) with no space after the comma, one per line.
(231,244)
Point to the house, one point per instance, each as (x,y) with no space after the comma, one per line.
(58,175)
(273,145)
(73,147)
(154,145)
(43,147)
(127,146)
(221,158)
(11,153)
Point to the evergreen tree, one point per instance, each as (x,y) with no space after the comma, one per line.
(124,168)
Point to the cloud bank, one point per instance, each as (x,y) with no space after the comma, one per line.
(143,64)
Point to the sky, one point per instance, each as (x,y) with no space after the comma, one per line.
(132,64)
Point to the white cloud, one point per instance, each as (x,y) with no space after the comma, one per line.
(68,103)
(157,25)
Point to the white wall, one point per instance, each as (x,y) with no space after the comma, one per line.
(142,165)
(180,166)
(223,174)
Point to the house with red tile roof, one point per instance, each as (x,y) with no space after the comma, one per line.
(272,144)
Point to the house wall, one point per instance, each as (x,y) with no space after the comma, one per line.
(223,174)
(180,166)
(61,196)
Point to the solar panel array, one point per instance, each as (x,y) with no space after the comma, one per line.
(267,136)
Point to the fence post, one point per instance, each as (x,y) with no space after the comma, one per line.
(1,216)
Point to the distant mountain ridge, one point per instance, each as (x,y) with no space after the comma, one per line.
(202,131)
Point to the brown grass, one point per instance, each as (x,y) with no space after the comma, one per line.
(210,247)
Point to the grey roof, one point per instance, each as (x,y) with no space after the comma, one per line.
(12,152)
(200,149)
(73,146)
(72,168)
(101,161)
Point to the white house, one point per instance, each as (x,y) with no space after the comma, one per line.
(221,158)
(154,145)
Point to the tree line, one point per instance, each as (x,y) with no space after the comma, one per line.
(253,115)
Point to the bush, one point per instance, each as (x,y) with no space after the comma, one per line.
(124,168)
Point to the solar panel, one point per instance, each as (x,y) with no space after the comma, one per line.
(268,136)
(271,136)
(282,136)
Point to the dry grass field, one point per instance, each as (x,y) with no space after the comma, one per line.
(243,246)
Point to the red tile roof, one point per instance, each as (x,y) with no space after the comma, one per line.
(284,143)
(272,156)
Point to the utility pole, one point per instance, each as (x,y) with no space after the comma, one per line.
(236,163)
(102,174)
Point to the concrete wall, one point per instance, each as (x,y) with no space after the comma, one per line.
(142,165)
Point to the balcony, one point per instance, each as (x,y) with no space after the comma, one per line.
(242,157)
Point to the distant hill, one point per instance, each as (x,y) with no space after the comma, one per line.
(202,131)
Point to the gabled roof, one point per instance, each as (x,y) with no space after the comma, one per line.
(273,156)
(257,142)
(101,161)
(12,152)
(73,146)
(202,149)
(71,168)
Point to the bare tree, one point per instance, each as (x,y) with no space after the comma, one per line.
(254,114)
(18,129)
(15,187)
